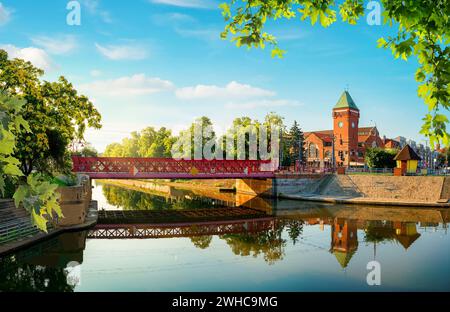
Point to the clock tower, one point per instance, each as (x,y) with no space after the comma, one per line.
(345,130)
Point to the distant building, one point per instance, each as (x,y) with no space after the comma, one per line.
(391,143)
(350,141)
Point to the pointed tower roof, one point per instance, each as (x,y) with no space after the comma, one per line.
(346,101)
(407,153)
(407,240)
(343,257)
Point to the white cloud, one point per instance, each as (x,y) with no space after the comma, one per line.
(172,19)
(263,103)
(96,73)
(134,85)
(232,91)
(5,15)
(36,56)
(122,52)
(199,4)
(56,45)
(93,7)
(203,34)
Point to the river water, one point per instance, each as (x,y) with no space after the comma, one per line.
(294,246)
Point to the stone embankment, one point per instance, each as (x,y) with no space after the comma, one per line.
(376,190)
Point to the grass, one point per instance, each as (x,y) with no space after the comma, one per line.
(370,173)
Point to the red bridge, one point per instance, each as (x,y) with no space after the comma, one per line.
(168,168)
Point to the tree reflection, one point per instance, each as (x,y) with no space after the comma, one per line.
(270,243)
(32,278)
(201,242)
(134,200)
(379,232)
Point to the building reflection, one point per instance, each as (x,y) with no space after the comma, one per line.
(344,240)
(344,234)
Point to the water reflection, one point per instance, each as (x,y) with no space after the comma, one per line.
(43,267)
(277,234)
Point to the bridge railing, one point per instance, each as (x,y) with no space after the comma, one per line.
(140,167)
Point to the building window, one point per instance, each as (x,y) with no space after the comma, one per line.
(313,151)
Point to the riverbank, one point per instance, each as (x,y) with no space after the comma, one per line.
(37,236)
(342,189)
(365,201)
(414,191)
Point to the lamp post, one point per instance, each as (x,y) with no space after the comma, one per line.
(300,152)
(333,158)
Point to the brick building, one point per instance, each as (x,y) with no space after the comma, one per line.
(350,140)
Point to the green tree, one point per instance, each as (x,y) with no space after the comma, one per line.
(55,112)
(87,151)
(201,127)
(423,32)
(147,143)
(380,158)
(294,143)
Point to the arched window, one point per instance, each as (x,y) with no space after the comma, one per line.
(313,151)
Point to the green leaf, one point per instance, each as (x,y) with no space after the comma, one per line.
(2,185)
(39,221)
(20,194)
(278,52)
(13,170)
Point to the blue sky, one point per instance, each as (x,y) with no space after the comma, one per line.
(162,63)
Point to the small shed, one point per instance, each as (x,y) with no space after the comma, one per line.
(407,160)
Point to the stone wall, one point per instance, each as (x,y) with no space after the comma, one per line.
(406,187)
(75,201)
(281,185)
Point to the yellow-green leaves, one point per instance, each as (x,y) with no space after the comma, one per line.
(11,123)
(351,11)
(39,197)
(226,12)
(278,52)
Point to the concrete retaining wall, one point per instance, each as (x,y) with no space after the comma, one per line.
(405,188)
(282,185)
(75,201)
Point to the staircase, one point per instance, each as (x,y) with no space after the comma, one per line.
(324,183)
(15,223)
(340,186)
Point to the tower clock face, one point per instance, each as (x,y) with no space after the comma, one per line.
(340,124)
(353,124)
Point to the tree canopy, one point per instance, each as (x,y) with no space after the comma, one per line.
(55,112)
(380,158)
(423,32)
